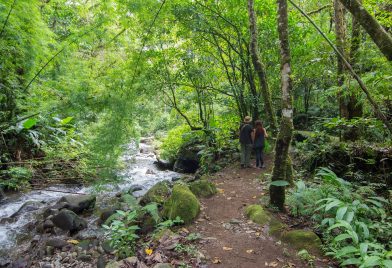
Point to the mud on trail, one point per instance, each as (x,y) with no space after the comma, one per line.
(230,240)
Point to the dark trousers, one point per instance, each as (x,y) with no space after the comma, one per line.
(259,156)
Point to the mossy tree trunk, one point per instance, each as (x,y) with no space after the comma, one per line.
(259,67)
(340,31)
(354,106)
(282,165)
(380,37)
(349,106)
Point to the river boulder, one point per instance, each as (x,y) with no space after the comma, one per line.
(78,203)
(159,193)
(27,207)
(164,164)
(2,195)
(203,188)
(182,203)
(188,158)
(69,221)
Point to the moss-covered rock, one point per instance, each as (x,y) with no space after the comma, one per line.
(161,233)
(203,188)
(257,214)
(276,227)
(182,203)
(302,239)
(158,193)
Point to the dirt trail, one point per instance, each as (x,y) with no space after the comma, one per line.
(230,240)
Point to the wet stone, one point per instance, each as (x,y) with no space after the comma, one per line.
(85,258)
(56,243)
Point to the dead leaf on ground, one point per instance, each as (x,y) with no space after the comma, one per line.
(229,198)
(271,264)
(227,248)
(221,191)
(216,260)
(254,197)
(249,251)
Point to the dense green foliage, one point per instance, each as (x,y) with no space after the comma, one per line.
(80,79)
(355,222)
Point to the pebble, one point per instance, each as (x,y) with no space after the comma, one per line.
(85,258)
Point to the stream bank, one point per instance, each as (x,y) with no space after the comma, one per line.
(24,223)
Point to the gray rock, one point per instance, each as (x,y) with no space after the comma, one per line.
(56,243)
(101,262)
(22,263)
(69,221)
(79,203)
(106,213)
(48,212)
(131,260)
(164,164)
(7,220)
(163,265)
(85,244)
(85,258)
(4,261)
(107,247)
(135,188)
(188,158)
(48,224)
(49,251)
(2,195)
(27,207)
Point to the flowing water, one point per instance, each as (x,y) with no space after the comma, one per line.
(140,170)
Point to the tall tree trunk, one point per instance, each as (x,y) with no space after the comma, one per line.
(362,85)
(260,68)
(282,163)
(355,107)
(340,31)
(382,39)
(349,106)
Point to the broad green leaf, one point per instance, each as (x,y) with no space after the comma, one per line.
(350,216)
(363,248)
(66,120)
(341,224)
(341,212)
(29,123)
(279,183)
(346,251)
(365,229)
(371,261)
(341,237)
(387,263)
(351,261)
(333,204)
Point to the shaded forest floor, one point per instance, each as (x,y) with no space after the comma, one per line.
(230,239)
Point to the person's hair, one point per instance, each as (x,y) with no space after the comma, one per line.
(258,123)
(259,128)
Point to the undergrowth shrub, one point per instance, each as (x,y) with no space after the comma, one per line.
(355,223)
(15,178)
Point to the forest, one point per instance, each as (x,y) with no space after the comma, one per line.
(120,124)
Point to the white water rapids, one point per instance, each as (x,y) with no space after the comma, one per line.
(140,170)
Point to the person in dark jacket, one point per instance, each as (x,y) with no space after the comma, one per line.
(246,133)
(259,137)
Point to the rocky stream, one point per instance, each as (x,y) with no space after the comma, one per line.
(40,228)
